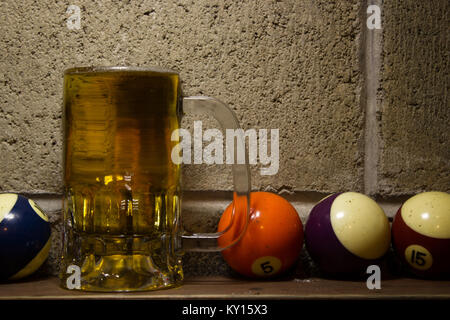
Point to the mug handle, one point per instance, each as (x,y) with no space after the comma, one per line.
(241,178)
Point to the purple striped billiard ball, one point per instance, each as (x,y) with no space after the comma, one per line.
(345,233)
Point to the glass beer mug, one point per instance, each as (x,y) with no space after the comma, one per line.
(122,222)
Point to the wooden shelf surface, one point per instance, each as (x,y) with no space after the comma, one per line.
(228,288)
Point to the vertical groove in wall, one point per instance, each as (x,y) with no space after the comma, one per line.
(372,46)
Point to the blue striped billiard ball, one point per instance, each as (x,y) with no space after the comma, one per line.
(24,236)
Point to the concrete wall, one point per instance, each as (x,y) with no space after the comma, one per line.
(357,109)
(414,109)
(290,65)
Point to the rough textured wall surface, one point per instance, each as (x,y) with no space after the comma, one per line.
(415,111)
(291,65)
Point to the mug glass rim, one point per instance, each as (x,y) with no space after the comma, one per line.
(97,69)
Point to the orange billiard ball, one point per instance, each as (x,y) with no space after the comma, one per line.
(273,239)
